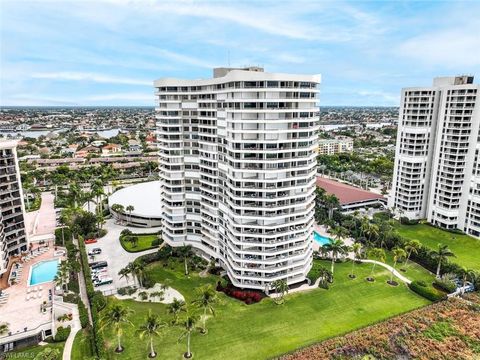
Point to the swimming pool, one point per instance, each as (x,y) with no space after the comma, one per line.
(320,239)
(43,272)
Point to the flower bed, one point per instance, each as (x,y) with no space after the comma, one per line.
(247,296)
(444,330)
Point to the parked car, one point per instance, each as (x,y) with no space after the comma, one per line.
(98,265)
(90,241)
(95,251)
(103,281)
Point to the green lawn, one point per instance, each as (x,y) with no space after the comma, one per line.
(465,248)
(144,243)
(265,330)
(31,352)
(81,346)
(413,271)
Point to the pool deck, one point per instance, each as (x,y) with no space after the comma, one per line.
(21,313)
(321,229)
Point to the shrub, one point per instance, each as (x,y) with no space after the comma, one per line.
(83,314)
(406,221)
(445,284)
(157,242)
(62,334)
(143,295)
(427,292)
(99,300)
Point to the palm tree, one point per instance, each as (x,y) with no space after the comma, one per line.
(331,202)
(189,325)
(335,247)
(441,254)
(116,316)
(281,287)
(130,208)
(175,308)
(372,231)
(356,249)
(206,298)
(4,328)
(138,270)
(151,327)
(467,274)
(375,254)
(125,272)
(398,254)
(412,247)
(185,252)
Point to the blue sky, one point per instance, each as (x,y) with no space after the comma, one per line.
(109,52)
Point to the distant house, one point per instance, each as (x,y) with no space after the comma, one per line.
(134,146)
(111,149)
(86,151)
(98,143)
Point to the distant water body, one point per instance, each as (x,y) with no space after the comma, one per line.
(36,134)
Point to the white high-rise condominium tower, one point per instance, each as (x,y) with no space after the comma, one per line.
(237,169)
(12,228)
(437,162)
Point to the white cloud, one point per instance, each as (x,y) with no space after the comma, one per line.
(389,98)
(452,48)
(91,77)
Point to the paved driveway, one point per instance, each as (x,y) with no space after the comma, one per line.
(115,255)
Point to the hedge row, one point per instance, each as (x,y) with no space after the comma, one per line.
(62,334)
(428,292)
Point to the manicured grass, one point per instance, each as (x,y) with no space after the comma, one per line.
(265,330)
(144,243)
(31,352)
(81,346)
(413,271)
(465,248)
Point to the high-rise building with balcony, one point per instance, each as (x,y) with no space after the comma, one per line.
(437,162)
(12,227)
(237,170)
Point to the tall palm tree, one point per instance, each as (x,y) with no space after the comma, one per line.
(175,308)
(125,272)
(281,287)
(206,299)
(4,328)
(331,202)
(151,327)
(412,247)
(138,270)
(398,254)
(467,275)
(130,208)
(189,325)
(376,254)
(185,252)
(356,249)
(441,255)
(116,316)
(335,247)
(372,232)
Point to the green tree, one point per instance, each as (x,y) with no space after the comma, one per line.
(412,247)
(150,328)
(4,328)
(398,254)
(175,308)
(377,254)
(189,325)
(335,247)
(48,354)
(205,300)
(116,316)
(281,288)
(130,208)
(356,249)
(441,254)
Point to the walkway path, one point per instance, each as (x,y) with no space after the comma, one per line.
(75,327)
(389,268)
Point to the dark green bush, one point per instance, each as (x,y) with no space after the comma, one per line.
(446,285)
(62,334)
(157,242)
(99,300)
(83,313)
(427,292)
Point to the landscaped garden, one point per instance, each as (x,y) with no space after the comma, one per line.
(445,330)
(465,247)
(265,329)
(139,242)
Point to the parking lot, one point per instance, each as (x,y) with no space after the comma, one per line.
(115,256)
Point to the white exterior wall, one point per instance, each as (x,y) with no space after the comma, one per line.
(238,164)
(436,158)
(12,227)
